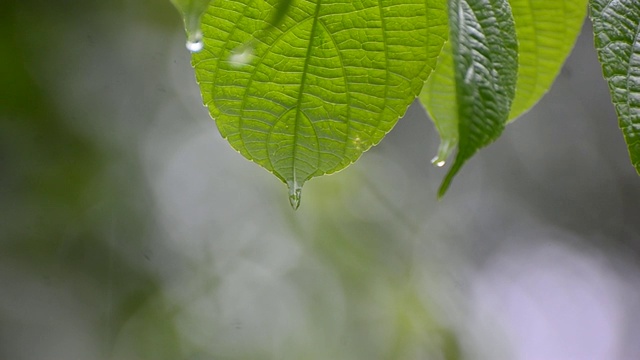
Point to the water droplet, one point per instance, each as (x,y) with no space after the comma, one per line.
(444,151)
(194,41)
(295,193)
(438,162)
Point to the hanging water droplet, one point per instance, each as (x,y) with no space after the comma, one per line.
(194,41)
(295,193)
(444,151)
(438,162)
(192,11)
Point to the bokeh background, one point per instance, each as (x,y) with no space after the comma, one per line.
(129,229)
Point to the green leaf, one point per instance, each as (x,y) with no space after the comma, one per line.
(471,110)
(616,27)
(547,31)
(309,97)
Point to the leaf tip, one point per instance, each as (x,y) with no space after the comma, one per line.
(449,178)
(295,194)
(444,151)
(443,188)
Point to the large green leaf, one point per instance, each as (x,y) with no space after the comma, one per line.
(310,96)
(547,31)
(471,110)
(616,26)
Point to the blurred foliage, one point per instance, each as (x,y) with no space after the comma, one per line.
(130,230)
(66,215)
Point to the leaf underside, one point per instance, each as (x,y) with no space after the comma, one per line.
(438,97)
(310,95)
(616,27)
(546,31)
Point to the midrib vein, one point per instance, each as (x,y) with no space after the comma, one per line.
(300,92)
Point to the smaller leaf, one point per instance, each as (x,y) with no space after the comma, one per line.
(484,62)
(616,27)
(543,47)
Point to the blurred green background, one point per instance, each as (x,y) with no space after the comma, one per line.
(129,229)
